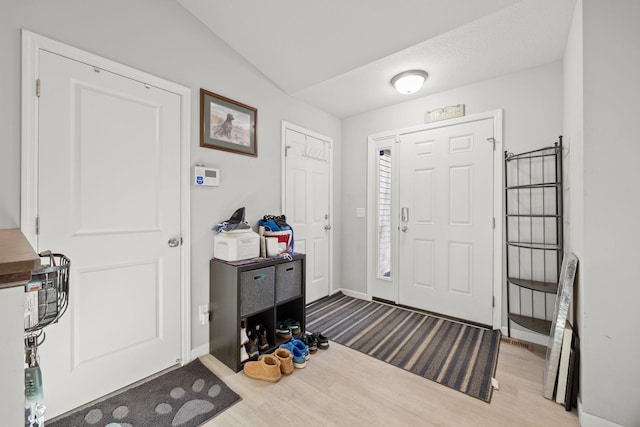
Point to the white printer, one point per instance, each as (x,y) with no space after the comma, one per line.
(236,245)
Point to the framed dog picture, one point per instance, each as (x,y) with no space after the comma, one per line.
(227,125)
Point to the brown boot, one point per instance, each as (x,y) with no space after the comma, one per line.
(266,369)
(286,360)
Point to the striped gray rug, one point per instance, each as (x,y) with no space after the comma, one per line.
(454,354)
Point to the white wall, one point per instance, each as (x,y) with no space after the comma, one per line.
(532,104)
(160,37)
(574,160)
(610,373)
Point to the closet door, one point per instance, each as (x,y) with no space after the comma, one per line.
(307,203)
(109,198)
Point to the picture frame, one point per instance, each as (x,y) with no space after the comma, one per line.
(227,125)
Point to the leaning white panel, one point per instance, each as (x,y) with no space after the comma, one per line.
(563,300)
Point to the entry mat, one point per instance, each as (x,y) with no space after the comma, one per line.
(185,397)
(455,354)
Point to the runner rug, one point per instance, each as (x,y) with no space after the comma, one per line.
(455,354)
(185,397)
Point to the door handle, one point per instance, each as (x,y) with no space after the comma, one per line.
(327,227)
(174,241)
(404,228)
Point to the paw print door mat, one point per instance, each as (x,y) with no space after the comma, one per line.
(185,397)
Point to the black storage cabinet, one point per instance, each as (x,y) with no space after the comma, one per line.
(258,292)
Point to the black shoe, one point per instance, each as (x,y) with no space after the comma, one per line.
(252,349)
(321,340)
(263,342)
(309,341)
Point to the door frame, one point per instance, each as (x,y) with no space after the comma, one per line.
(498,203)
(283,180)
(32,44)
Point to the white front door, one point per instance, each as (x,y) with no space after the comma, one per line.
(109,198)
(446,220)
(307,203)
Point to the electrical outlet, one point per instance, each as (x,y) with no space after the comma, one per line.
(203,311)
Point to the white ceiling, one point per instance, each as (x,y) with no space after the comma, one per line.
(340,55)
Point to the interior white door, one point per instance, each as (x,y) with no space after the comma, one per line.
(446,220)
(307,205)
(109,198)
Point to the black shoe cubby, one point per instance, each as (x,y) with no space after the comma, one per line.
(253,292)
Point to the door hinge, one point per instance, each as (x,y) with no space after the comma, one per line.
(493,304)
(38,88)
(494,222)
(37,225)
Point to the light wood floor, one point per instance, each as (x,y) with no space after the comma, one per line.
(342,387)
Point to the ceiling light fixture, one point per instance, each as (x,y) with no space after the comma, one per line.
(409,81)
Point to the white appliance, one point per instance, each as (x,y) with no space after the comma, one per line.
(236,245)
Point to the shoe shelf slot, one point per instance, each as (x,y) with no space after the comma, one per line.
(257,292)
(264,318)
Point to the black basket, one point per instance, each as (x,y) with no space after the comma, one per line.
(47,293)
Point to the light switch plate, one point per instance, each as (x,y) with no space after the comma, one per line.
(203,311)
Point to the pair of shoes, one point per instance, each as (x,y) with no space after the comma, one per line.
(286,360)
(286,329)
(267,368)
(309,340)
(283,331)
(321,340)
(294,325)
(298,356)
(302,347)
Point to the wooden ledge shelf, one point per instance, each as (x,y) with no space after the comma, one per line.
(17,258)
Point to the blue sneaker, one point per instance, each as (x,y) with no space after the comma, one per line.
(302,347)
(299,360)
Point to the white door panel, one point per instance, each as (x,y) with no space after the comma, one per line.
(307,205)
(109,198)
(446,239)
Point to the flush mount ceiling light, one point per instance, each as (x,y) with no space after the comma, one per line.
(409,81)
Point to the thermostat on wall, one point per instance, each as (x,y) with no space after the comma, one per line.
(203,175)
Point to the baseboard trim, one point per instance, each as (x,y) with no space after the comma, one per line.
(527,336)
(355,294)
(199,351)
(588,420)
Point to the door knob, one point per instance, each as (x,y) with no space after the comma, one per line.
(327,227)
(405,229)
(174,241)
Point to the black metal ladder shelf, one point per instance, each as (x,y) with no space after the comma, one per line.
(534,235)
